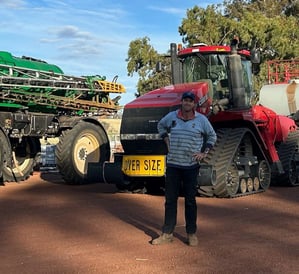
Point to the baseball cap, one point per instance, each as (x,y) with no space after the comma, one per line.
(188,94)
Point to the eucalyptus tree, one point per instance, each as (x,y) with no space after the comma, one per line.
(271,26)
(142,60)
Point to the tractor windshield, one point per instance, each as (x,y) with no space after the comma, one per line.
(213,68)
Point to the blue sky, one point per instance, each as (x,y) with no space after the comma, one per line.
(90,37)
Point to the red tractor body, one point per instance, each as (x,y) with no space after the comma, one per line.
(255,146)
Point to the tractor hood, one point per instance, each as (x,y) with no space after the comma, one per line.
(138,130)
(171,95)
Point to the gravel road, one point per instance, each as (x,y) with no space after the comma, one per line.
(49,227)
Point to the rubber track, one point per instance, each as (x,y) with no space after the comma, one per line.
(221,157)
(285,150)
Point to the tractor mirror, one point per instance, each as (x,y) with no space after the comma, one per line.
(255,56)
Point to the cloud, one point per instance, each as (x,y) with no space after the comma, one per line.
(14,4)
(91,36)
(79,50)
(73,42)
(112,14)
(169,10)
(71,32)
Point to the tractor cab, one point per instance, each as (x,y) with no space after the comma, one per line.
(216,66)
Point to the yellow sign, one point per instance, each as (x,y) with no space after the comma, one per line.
(143,165)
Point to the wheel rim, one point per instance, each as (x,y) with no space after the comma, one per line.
(86,150)
(249,184)
(256,183)
(232,180)
(243,186)
(264,174)
(21,163)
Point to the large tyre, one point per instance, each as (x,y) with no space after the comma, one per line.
(288,153)
(79,147)
(19,159)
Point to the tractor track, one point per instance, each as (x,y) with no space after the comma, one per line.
(223,158)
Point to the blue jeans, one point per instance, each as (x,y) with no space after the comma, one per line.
(174,177)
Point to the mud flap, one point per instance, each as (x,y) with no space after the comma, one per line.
(112,173)
(95,171)
(107,172)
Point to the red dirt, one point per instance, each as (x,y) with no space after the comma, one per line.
(48,227)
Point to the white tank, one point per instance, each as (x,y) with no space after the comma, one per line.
(282,98)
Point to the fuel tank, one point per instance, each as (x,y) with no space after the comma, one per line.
(282,98)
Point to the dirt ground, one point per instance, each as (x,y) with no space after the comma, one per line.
(48,227)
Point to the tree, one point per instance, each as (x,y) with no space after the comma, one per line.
(271,26)
(207,26)
(142,59)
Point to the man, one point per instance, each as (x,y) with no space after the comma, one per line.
(185,132)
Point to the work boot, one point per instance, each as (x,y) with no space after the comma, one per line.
(165,238)
(192,240)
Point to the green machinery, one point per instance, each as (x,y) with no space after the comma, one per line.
(43,87)
(37,100)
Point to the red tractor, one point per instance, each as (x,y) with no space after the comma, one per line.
(255,145)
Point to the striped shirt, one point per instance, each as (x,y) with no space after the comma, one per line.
(186,137)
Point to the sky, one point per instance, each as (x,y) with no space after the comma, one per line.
(91,37)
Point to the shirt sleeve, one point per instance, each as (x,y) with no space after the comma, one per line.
(164,125)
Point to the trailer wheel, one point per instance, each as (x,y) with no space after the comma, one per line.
(19,159)
(78,148)
(289,154)
(293,172)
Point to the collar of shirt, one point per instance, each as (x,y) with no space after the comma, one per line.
(180,115)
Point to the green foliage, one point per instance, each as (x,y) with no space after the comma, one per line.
(207,26)
(142,59)
(271,26)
